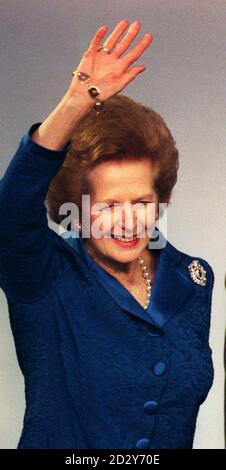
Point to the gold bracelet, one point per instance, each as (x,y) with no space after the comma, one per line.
(93,90)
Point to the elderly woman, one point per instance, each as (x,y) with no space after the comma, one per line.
(111,332)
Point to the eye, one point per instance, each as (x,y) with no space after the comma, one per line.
(113,205)
(108,207)
(144,202)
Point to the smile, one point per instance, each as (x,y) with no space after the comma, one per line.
(134,237)
(125,242)
(123,239)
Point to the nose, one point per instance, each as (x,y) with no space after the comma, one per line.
(128,219)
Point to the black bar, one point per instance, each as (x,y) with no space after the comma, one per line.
(102,458)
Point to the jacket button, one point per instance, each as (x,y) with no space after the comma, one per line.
(142,443)
(159,368)
(150,407)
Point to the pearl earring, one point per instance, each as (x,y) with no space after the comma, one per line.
(78,226)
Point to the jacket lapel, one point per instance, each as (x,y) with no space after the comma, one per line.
(171,289)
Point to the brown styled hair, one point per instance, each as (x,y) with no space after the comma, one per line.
(123,128)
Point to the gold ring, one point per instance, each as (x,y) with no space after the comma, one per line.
(103,48)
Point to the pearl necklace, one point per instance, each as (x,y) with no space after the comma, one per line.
(146,276)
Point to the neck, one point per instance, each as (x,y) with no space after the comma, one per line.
(126,272)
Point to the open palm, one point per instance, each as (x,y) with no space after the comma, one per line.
(111,72)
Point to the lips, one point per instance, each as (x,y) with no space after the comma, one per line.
(125,243)
(126,238)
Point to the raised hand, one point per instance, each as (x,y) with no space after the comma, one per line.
(111,71)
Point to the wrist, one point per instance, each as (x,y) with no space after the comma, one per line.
(79,102)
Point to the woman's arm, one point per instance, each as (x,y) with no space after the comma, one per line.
(29,260)
(58,127)
(29,263)
(109,72)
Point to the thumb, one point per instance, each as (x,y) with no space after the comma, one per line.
(131,73)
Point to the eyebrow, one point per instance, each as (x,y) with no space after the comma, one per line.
(144,196)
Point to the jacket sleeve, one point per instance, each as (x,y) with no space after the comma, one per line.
(28,260)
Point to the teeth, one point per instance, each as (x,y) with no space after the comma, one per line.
(125,239)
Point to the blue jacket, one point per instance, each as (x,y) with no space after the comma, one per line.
(99,370)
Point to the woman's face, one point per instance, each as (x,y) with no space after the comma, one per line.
(123,204)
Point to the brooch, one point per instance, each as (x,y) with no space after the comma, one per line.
(197,272)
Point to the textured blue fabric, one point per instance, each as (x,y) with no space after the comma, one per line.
(99,370)
(119,293)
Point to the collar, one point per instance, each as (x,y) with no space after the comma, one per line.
(172,286)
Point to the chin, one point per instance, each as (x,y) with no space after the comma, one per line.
(126,251)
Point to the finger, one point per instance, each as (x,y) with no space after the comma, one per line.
(116,34)
(96,41)
(138,50)
(129,37)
